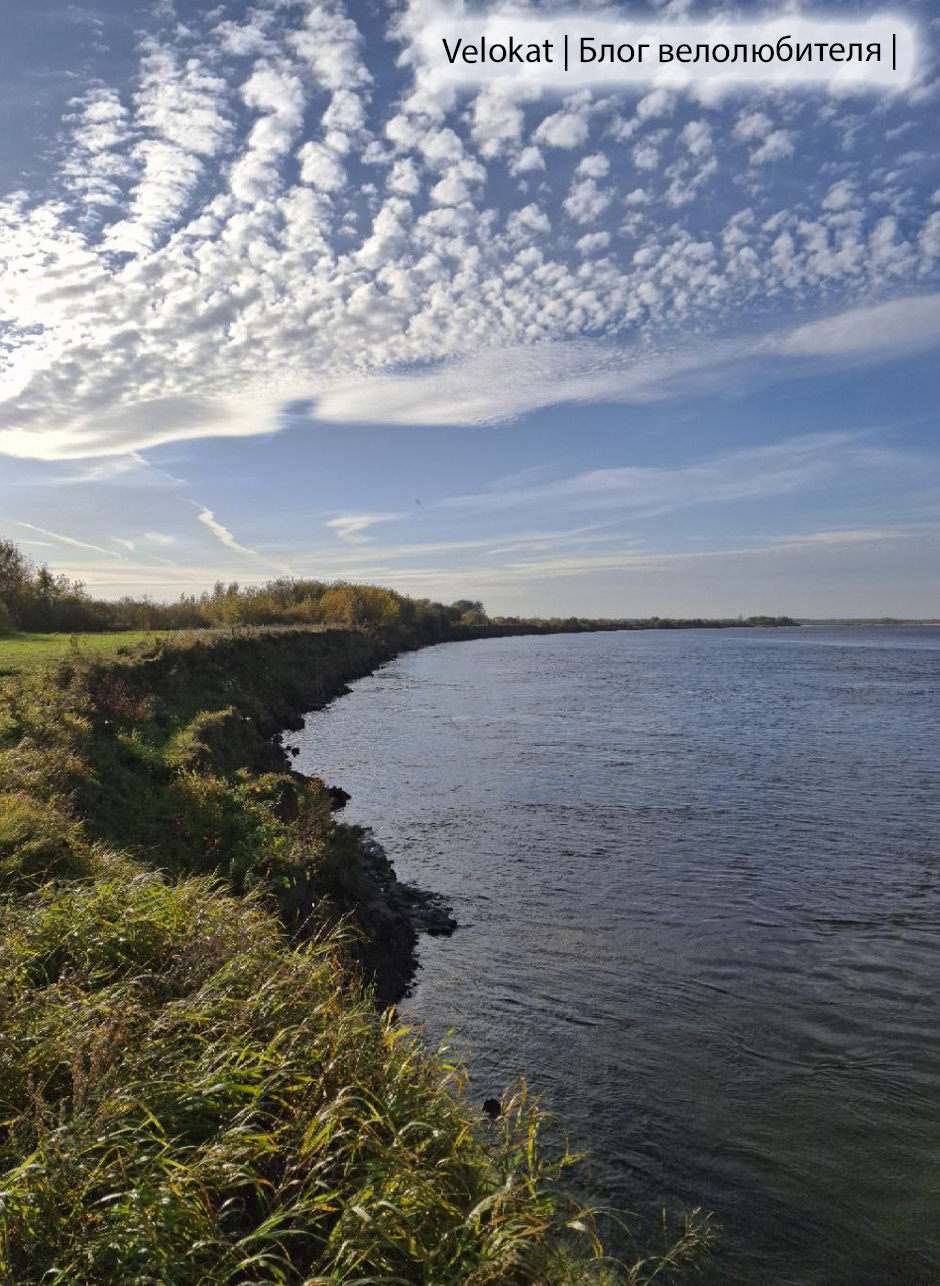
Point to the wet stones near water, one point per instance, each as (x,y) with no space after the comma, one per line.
(429,913)
(391,915)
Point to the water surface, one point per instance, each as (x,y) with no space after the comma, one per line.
(697,875)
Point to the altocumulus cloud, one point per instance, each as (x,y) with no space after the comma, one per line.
(254,219)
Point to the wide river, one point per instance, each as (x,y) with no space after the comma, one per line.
(697,876)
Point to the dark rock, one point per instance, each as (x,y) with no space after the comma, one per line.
(339,798)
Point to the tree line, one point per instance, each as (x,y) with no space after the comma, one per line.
(34,599)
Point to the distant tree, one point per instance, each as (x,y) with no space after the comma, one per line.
(473,617)
(15,578)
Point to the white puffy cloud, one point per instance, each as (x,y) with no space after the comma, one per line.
(840,196)
(277,94)
(776,147)
(329,41)
(181,120)
(752,125)
(697,137)
(529,158)
(659,102)
(645,157)
(182,102)
(586,202)
(593,167)
(321,167)
(522,223)
(592,242)
(568,127)
(403,177)
(496,120)
(97,168)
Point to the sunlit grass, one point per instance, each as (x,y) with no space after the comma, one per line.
(21,653)
(188,1099)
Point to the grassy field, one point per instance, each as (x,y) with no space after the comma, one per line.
(21,653)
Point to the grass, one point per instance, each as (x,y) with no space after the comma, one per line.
(189,1100)
(22,653)
(197,1087)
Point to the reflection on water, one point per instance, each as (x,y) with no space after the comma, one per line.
(697,879)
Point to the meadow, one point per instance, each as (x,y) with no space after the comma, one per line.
(21,653)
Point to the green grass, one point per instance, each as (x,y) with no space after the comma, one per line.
(21,653)
(189,1101)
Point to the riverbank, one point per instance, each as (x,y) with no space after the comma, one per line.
(194,1086)
(181,745)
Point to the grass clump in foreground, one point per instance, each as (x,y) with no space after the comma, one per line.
(190,1095)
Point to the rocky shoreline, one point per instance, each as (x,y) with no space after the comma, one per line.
(387,914)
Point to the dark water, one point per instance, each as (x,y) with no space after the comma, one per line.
(698,879)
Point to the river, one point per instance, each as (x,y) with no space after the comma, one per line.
(697,877)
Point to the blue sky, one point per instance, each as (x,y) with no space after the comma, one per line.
(275,299)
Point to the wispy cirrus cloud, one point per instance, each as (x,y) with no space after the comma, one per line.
(225,537)
(496,385)
(795,465)
(354,529)
(60,539)
(222,533)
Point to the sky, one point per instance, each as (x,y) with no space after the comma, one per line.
(277,298)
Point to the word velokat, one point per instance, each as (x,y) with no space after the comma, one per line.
(498,51)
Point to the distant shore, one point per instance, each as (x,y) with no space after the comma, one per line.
(870,621)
